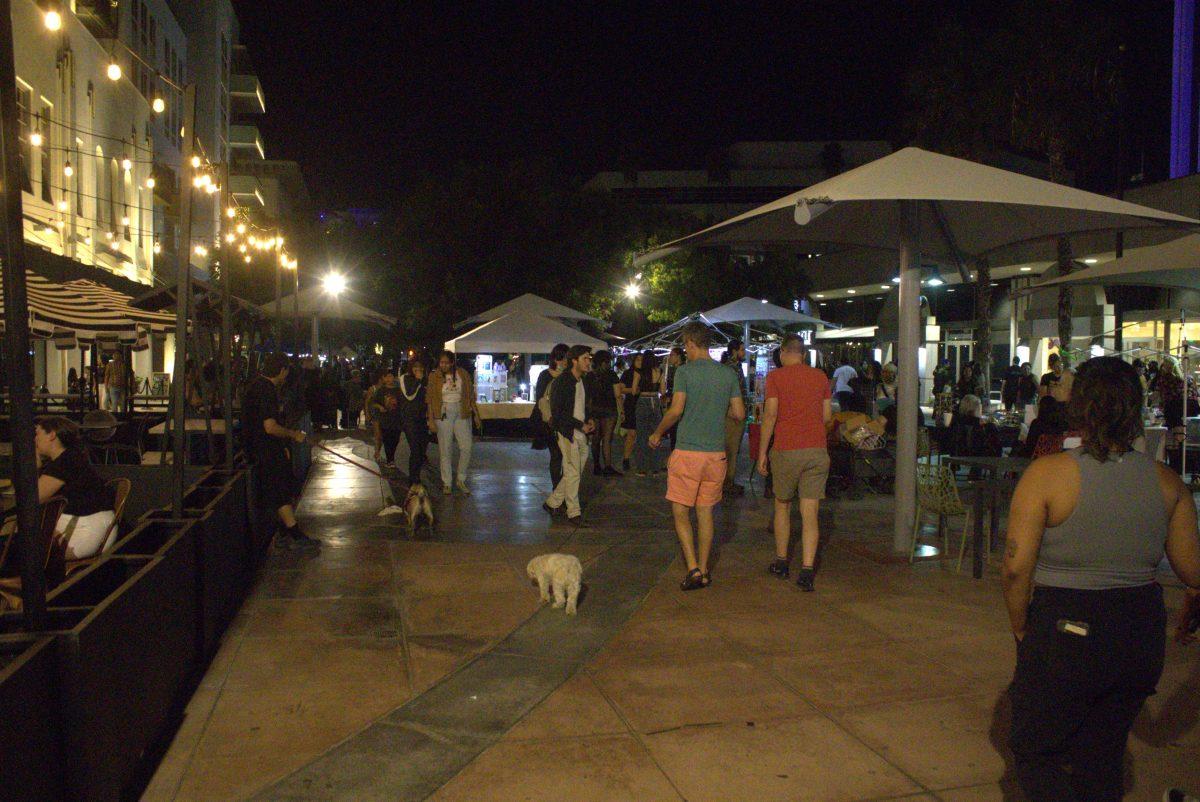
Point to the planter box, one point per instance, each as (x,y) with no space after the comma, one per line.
(124,650)
(29,730)
(175,543)
(237,483)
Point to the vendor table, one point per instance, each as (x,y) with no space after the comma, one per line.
(512,410)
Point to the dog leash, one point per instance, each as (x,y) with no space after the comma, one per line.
(347,459)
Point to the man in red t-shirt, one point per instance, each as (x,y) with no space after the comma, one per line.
(796,410)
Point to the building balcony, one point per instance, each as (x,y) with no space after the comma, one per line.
(247,190)
(246,94)
(246,142)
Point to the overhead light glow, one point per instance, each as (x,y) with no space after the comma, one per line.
(196,162)
(241,228)
(62,205)
(1026,269)
(231,212)
(1090,261)
(896,280)
(114,71)
(885,286)
(935,281)
(127,164)
(68,170)
(150,182)
(632,291)
(53,20)
(35,139)
(851,292)
(159,105)
(819,295)
(334,283)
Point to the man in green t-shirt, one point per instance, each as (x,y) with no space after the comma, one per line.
(704,393)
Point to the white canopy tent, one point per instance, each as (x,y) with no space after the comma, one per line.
(748,310)
(535,305)
(316,304)
(520,333)
(964,210)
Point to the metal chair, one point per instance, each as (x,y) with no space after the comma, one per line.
(120,489)
(125,447)
(10,586)
(937,494)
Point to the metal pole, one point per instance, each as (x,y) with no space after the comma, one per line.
(749,365)
(316,330)
(183,284)
(16,337)
(227,257)
(1184,365)
(296,306)
(907,360)
(278,306)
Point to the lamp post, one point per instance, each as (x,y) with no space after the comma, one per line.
(334,284)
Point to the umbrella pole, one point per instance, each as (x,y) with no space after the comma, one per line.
(908,387)
(183,285)
(226,322)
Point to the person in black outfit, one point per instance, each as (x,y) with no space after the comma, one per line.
(1010,385)
(266,446)
(87,518)
(601,385)
(558,363)
(970,434)
(390,416)
(414,417)
(1050,420)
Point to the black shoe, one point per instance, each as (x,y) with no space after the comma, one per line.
(295,539)
(611,471)
(737,490)
(554,511)
(779,568)
(576,521)
(804,579)
(624,464)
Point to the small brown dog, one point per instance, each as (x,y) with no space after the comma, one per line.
(417,507)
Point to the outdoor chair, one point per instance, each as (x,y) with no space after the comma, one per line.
(937,494)
(125,447)
(120,490)
(10,586)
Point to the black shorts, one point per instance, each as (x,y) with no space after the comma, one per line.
(273,475)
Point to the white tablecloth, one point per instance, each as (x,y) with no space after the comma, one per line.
(512,410)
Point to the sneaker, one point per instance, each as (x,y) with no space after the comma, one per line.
(779,568)
(804,579)
(554,511)
(296,539)
(462,488)
(611,471)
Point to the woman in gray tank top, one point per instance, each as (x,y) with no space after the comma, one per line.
(1086,533)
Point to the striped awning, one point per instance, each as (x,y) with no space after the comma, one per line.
(89,310)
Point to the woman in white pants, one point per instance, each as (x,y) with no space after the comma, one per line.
(451,397)
(86,522)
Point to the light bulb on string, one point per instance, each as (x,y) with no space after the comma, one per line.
(196,162)
(150,182)
(211,188)
(68,170)
(108,234)
(127,164)
(159,105)
(247,258)
(201,250)
(157,246)
(242,248)
(241,228)
(62,205)
(60,224)
(230,237)
(114,71)
(231,212)
(198,181)
(53,20)
(88,240)
(36,139)
(125,221)
(116,246)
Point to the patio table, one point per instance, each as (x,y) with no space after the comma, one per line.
(987,491)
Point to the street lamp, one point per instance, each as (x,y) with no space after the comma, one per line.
(632,291)
(334,284)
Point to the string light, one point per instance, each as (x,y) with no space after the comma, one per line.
(247,258)
(242,248)
(60,224)
(231,212)
(157,247)
(126,164)
(88,240)
(125,220)
(62,205)
(201,250)
(230,237)
(198,181)
(35,139)
(108,234)
(53,20)
(210,188)
(116,246)
(241,228)
(114,71)
(196,162)
(159,105)
(150,182)
(68,170)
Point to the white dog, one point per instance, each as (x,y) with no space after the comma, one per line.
(560,573)
(417,507)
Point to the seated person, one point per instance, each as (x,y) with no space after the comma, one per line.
(889,414)
(66,471)
(971,435)
(1051,420)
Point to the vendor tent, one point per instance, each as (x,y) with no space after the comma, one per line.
(754,310)
(1173,264)
(315,302)
(520,333)
(918,203)
(532,304)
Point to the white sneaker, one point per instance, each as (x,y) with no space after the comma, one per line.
(462,488)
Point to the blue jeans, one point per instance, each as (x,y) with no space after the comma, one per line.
(647,416)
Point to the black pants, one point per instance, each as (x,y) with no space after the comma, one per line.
(1075,697)
(416,431)
(555,461)
(391,438)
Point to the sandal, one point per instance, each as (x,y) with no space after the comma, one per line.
(693,581)
(706,580)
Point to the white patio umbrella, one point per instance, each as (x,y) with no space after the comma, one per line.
(754,310)
(1174,264)
(970,210)
(534,305)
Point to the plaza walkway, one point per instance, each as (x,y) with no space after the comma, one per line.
(398,668)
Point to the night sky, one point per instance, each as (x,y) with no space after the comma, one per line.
(365,96)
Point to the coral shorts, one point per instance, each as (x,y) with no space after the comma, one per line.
(694,478)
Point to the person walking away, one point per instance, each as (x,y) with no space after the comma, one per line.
(734,356)
(66,471)
(116,381)
(413,416)
(705,393)
(602,396)
(451,394)
(558,363)
(266,446)
(352,392)
(390,417)
(795,412)
(1010,385)
(373,408)
(1087,531)
(1027,390)
(647,413)
(629,409)
(572,427)
(843,390)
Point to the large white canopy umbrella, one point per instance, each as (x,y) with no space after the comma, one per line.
(1174,264)
(520,333)
(966,210)
(748,310)
(535,305)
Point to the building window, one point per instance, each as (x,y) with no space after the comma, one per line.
(47,162)
(24,129)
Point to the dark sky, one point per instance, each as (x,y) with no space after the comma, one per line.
(365,94)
